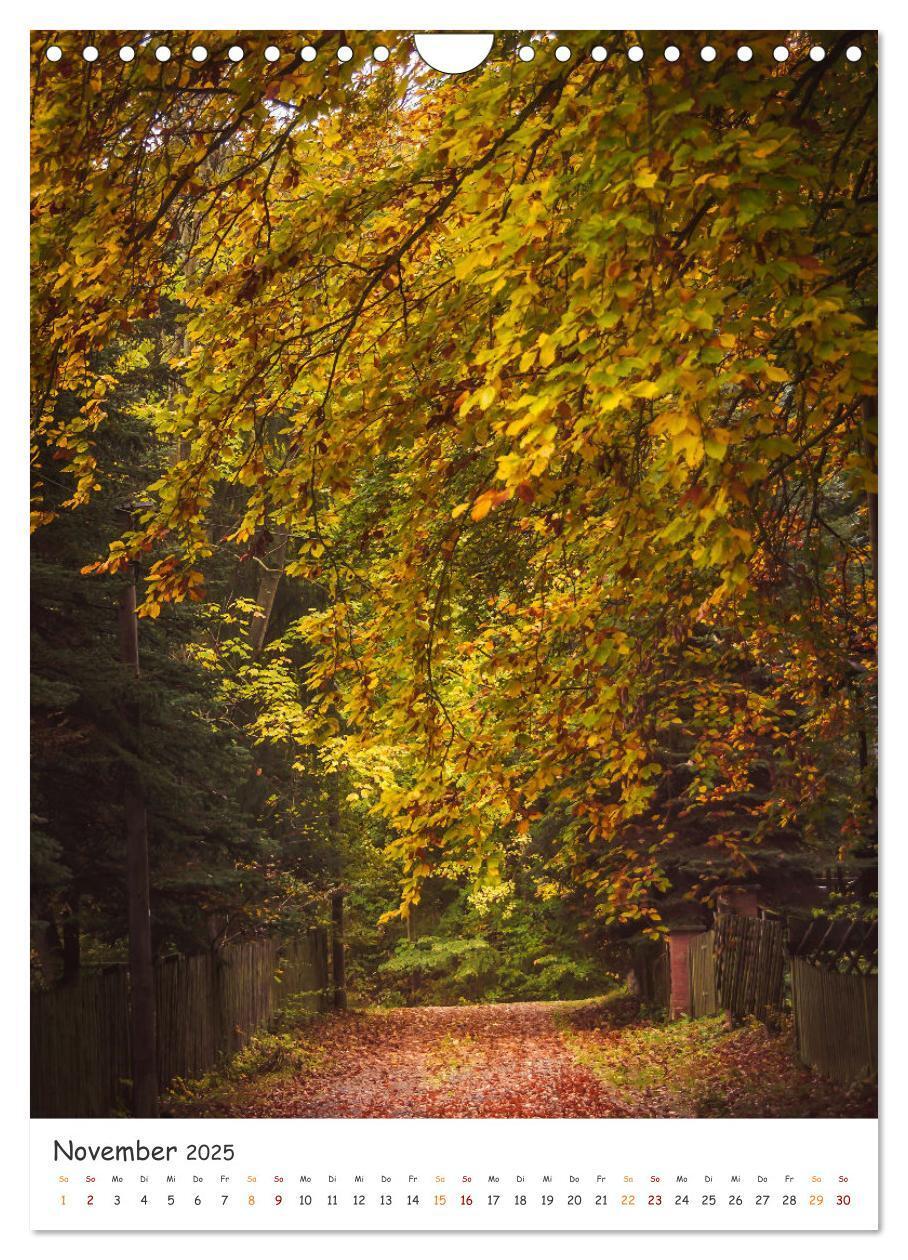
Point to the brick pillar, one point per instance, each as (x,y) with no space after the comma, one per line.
(679,1000)
(742,901)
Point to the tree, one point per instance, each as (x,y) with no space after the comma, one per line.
(555,383)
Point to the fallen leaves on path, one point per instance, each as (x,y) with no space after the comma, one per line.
(503,1060)
(532,1059)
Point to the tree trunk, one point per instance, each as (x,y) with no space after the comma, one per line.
(141,965)
(273,569)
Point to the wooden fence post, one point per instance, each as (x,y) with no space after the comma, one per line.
(338,968)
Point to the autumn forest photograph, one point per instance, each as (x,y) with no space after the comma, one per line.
(453,575)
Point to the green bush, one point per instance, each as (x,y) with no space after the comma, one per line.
(494,950)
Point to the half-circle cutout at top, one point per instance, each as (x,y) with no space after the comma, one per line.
(454,54)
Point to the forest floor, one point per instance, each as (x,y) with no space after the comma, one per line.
(602,1057)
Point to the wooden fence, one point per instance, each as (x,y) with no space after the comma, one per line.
(740,967)
(836,1020)
(208,1005)
(750,965)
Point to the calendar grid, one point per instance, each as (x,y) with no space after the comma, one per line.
(458,1175)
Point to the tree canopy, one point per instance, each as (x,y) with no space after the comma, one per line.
(534,408)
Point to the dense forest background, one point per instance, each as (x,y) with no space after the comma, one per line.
(496,458)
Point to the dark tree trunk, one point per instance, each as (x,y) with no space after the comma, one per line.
(141,963)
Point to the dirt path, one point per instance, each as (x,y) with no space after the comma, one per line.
(492,1061)
(601,1057)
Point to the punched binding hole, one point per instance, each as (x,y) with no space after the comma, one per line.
(454,53)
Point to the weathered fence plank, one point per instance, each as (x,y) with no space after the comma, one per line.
(836,1020)
(703,992)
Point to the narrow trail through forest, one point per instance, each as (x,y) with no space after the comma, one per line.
(494,1060)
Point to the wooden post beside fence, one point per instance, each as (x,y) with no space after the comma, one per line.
(338,966)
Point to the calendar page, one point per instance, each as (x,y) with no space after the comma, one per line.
(454,583)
